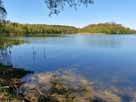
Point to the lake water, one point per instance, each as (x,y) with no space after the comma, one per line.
(106,59)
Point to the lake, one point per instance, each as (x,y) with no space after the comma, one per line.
(108,60)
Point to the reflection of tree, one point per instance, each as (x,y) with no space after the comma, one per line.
(38,55)
(8,42)
(102,42)
(34,55)
(5,55)
(5,50)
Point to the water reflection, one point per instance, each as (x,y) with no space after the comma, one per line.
(106,59)
(36,54)
(5,50)
(5,56)
(97,41)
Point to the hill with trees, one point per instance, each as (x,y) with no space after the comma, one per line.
(8,28)
(107,28)
(16,29)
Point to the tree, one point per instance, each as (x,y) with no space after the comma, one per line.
(107,28)
(54,6)
(3,11)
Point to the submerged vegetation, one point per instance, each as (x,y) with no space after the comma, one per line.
(63,87)
(57,87)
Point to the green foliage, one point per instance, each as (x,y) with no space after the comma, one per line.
(8,28)
(107,28)
(4,43)
(3,11)
(16,29)
(56,6)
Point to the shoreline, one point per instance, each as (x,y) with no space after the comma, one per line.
(13,83)
(10,76)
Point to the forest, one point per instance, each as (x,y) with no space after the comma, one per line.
(107,28)
(8,28)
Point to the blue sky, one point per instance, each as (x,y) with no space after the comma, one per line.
(35,11)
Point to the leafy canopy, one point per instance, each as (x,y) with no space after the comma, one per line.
(3,11)
(54,6)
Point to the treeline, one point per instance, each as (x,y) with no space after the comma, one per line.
(8,28)
(16,29)
(107,28)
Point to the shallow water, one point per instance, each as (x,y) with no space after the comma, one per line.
(106,59)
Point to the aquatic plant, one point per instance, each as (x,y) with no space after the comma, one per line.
(64,86)
(57,87)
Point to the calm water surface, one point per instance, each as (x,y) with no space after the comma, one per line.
(106,59)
